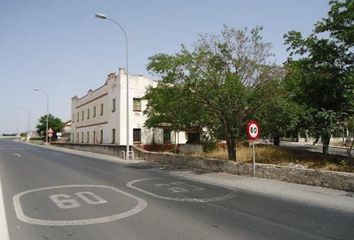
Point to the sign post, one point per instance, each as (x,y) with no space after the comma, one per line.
(253,133)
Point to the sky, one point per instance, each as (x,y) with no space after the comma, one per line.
(60,47)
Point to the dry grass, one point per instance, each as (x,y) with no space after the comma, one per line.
(284,156)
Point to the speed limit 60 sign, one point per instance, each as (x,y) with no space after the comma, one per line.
(253,131)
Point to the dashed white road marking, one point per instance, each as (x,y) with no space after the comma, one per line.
(141,205)
(4,234)
(200,200)
(17,155)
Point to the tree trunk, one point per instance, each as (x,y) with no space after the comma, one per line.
(326,136)
(231,150)
(316,140)
(276,140)
(350,148)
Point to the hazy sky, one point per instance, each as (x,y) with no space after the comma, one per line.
(58,45)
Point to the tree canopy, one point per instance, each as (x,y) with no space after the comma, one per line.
(224,80)
(55,124)
(209,85)
(320,70)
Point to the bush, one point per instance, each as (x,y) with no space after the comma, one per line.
(208,144)
(38,138)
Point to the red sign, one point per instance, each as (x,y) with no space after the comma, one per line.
(50,132)
(253,130)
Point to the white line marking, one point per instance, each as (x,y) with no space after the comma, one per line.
(14,148)
(141,205)
(17,155)
(4,234)
(201,200)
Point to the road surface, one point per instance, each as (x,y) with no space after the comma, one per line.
(48,194)
(340,151)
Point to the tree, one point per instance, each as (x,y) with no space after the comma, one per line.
(209,86)
(276,112)
(55,124)
(169,107)
(322,76)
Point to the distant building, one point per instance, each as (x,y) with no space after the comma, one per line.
(99,117)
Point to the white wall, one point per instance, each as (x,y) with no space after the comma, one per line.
(115,87)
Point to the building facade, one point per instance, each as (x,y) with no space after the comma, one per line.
(99,117)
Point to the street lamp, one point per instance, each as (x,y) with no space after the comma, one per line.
(28,120)
(47,96)
(104,17)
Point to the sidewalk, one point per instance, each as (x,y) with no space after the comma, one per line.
(99,156)
(310,195)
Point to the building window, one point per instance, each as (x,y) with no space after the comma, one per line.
(166,136)
(82,137)
(101,136)
(136,104)
(78,117)
(82,115)
(137,135)
(73,118)
(94,111)
(101,109)
(113,105)
(113,136)
(88,113)
(77,137)
(88,137)
(72,138)
(94,136)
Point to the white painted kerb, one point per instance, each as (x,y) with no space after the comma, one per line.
(4,234)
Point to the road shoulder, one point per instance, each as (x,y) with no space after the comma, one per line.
(4,234)
(310,195)
(98,156)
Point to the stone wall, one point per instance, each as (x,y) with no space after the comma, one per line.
(108,149)
(330,179)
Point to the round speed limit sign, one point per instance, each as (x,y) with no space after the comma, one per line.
(253,131)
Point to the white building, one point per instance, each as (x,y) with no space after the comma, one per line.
(99,117)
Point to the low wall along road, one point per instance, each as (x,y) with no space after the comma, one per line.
(108,149)
(330,179)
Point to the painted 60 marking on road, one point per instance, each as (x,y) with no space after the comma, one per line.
(181,188)
(66,201)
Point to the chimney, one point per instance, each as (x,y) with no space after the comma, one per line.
(122,71)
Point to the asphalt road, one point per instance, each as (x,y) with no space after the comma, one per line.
(340,151)
(49,194)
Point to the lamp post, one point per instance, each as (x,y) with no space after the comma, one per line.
(28,120)
(104,17)
(47,97)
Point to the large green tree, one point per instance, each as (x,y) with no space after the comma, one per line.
(170,107)
(276,111)
(55,124)
(209,85)
(320,70)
